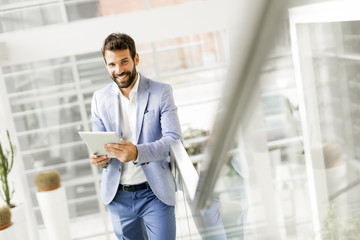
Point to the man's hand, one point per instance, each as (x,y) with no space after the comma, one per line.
(125,152)
(99,161)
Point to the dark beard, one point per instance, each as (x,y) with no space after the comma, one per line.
(131,78)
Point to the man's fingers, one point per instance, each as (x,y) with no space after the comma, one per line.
(113,145)
(126,143)
(103,160)
(100,161)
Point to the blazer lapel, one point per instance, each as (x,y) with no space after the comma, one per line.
(113,106)
(142,100)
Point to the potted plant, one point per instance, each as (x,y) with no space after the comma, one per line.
(5,217)
(18,226)
(53,204)
(6,164)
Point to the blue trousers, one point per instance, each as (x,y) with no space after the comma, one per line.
(141,215)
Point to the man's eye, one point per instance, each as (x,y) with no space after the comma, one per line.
(124,62)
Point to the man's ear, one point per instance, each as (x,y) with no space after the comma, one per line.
(136,59)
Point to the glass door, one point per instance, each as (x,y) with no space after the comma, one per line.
(326,52)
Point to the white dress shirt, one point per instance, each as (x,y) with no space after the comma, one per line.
(131,174)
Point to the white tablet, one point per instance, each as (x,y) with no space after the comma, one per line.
(95,141)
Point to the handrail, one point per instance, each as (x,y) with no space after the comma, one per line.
(182,163)
(344,190)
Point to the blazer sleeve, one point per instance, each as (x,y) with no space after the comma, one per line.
(97,123)
(170,131)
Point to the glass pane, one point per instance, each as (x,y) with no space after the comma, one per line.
(78,10)
(351,37)
(197,110)
(281,116)
(161,3)
(82,10)
(84,208)
(226,213)
(111,7)
(26,18)
(3,2)
(147,64)
(81,191)
(22,103)
(47,118)
(40,78)
(27,67)
(93,74)
(184,53)
(50,137)
(45,156)
(329,58)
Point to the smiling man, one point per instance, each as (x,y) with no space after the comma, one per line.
(137,186)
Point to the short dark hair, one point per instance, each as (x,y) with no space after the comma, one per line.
(119,41)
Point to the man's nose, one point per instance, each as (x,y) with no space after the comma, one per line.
(118,69)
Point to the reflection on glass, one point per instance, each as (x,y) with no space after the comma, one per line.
(226,214)
(330,61)
(281,117)
(230,191)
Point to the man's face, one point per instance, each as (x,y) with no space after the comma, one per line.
(121,67)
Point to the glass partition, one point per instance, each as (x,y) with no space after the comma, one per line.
(327,56)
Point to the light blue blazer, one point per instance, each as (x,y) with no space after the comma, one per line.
(157,127)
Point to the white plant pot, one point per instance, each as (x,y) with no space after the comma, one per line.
(54,210)
(18,217)
(18,229)
(9,233)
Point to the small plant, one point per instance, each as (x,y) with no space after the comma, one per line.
(196,147)
(5,217)
(47,180)
(334,229)
(6,165)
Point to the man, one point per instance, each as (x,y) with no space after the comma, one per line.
(137,186)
